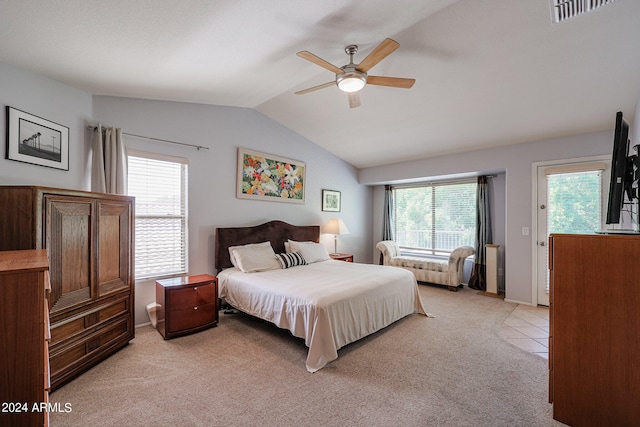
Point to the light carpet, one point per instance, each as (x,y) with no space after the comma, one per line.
(451,370)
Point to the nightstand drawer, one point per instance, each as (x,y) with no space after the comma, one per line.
(186,305)
(192,317)
(191,296)
(342,257)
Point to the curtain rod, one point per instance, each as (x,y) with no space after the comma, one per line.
(466,180)
(198,147)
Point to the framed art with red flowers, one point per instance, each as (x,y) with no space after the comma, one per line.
(269,178)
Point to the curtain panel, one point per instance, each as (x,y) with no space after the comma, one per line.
(387,217)
(484,236)
(109,161)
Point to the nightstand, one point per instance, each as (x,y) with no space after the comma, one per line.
(342,257)
(187,305)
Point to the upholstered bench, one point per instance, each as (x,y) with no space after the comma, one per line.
(448,272)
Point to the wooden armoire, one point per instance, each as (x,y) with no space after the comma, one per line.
(89,240)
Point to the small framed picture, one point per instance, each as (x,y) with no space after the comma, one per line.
(331,201)
(32,139)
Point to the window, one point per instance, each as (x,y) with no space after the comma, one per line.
(574,201)
(159,184)
(435,218)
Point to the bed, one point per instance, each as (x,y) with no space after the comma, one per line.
(326,302)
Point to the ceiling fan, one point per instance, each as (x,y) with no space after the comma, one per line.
(352,77)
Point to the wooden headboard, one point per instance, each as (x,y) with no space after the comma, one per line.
(277,232)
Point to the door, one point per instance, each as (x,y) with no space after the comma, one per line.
(69,241)
(569,201)
(114,229)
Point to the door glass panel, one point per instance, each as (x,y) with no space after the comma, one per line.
(574,204)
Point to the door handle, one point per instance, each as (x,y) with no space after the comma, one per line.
(542,243)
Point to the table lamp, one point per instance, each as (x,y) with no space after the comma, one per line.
(335,226)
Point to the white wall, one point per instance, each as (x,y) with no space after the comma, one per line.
(52,101)
(212,173)
(516,161)
(497,190)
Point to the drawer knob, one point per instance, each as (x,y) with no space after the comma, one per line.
(195,288)
(195,308)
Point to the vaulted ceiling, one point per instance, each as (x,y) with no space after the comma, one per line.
(488,73)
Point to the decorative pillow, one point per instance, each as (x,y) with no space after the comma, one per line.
(288,260)
(254,257)
(311,251)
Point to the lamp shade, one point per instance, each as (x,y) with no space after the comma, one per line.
(335,226)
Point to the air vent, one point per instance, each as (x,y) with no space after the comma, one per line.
(562,10)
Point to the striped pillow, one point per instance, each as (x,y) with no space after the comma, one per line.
(291,259)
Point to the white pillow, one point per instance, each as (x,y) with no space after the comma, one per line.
(254,257)
(232,257)
(311,251)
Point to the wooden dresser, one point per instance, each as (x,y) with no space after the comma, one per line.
(89,239)
(594,342)
(24,335)
(187,304)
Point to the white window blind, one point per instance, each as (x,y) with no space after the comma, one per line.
(159,184)
(435,218)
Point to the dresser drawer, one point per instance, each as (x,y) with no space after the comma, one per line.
(192,317)
(90,318)
(190,297)
(72,356)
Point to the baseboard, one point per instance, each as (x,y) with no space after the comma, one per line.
(490,294)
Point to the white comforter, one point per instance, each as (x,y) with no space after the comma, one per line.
(330,303)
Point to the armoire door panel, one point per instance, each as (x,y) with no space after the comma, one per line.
(69,238)
(113,241)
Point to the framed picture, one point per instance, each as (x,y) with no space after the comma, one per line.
(32,139)
(269,178)
(331,201)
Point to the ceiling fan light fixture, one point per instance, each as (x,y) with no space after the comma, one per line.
(351,82)
(351,78)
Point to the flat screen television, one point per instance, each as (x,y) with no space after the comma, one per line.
(622,172)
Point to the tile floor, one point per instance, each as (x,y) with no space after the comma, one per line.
(527,327)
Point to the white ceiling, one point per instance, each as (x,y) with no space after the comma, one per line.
(488,73)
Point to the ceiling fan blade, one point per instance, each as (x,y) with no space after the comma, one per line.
(390,81)
(311,89)
(383,50)
(354,99)
(319,61)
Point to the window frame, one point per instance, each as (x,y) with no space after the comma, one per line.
(184,216)
(424,251)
